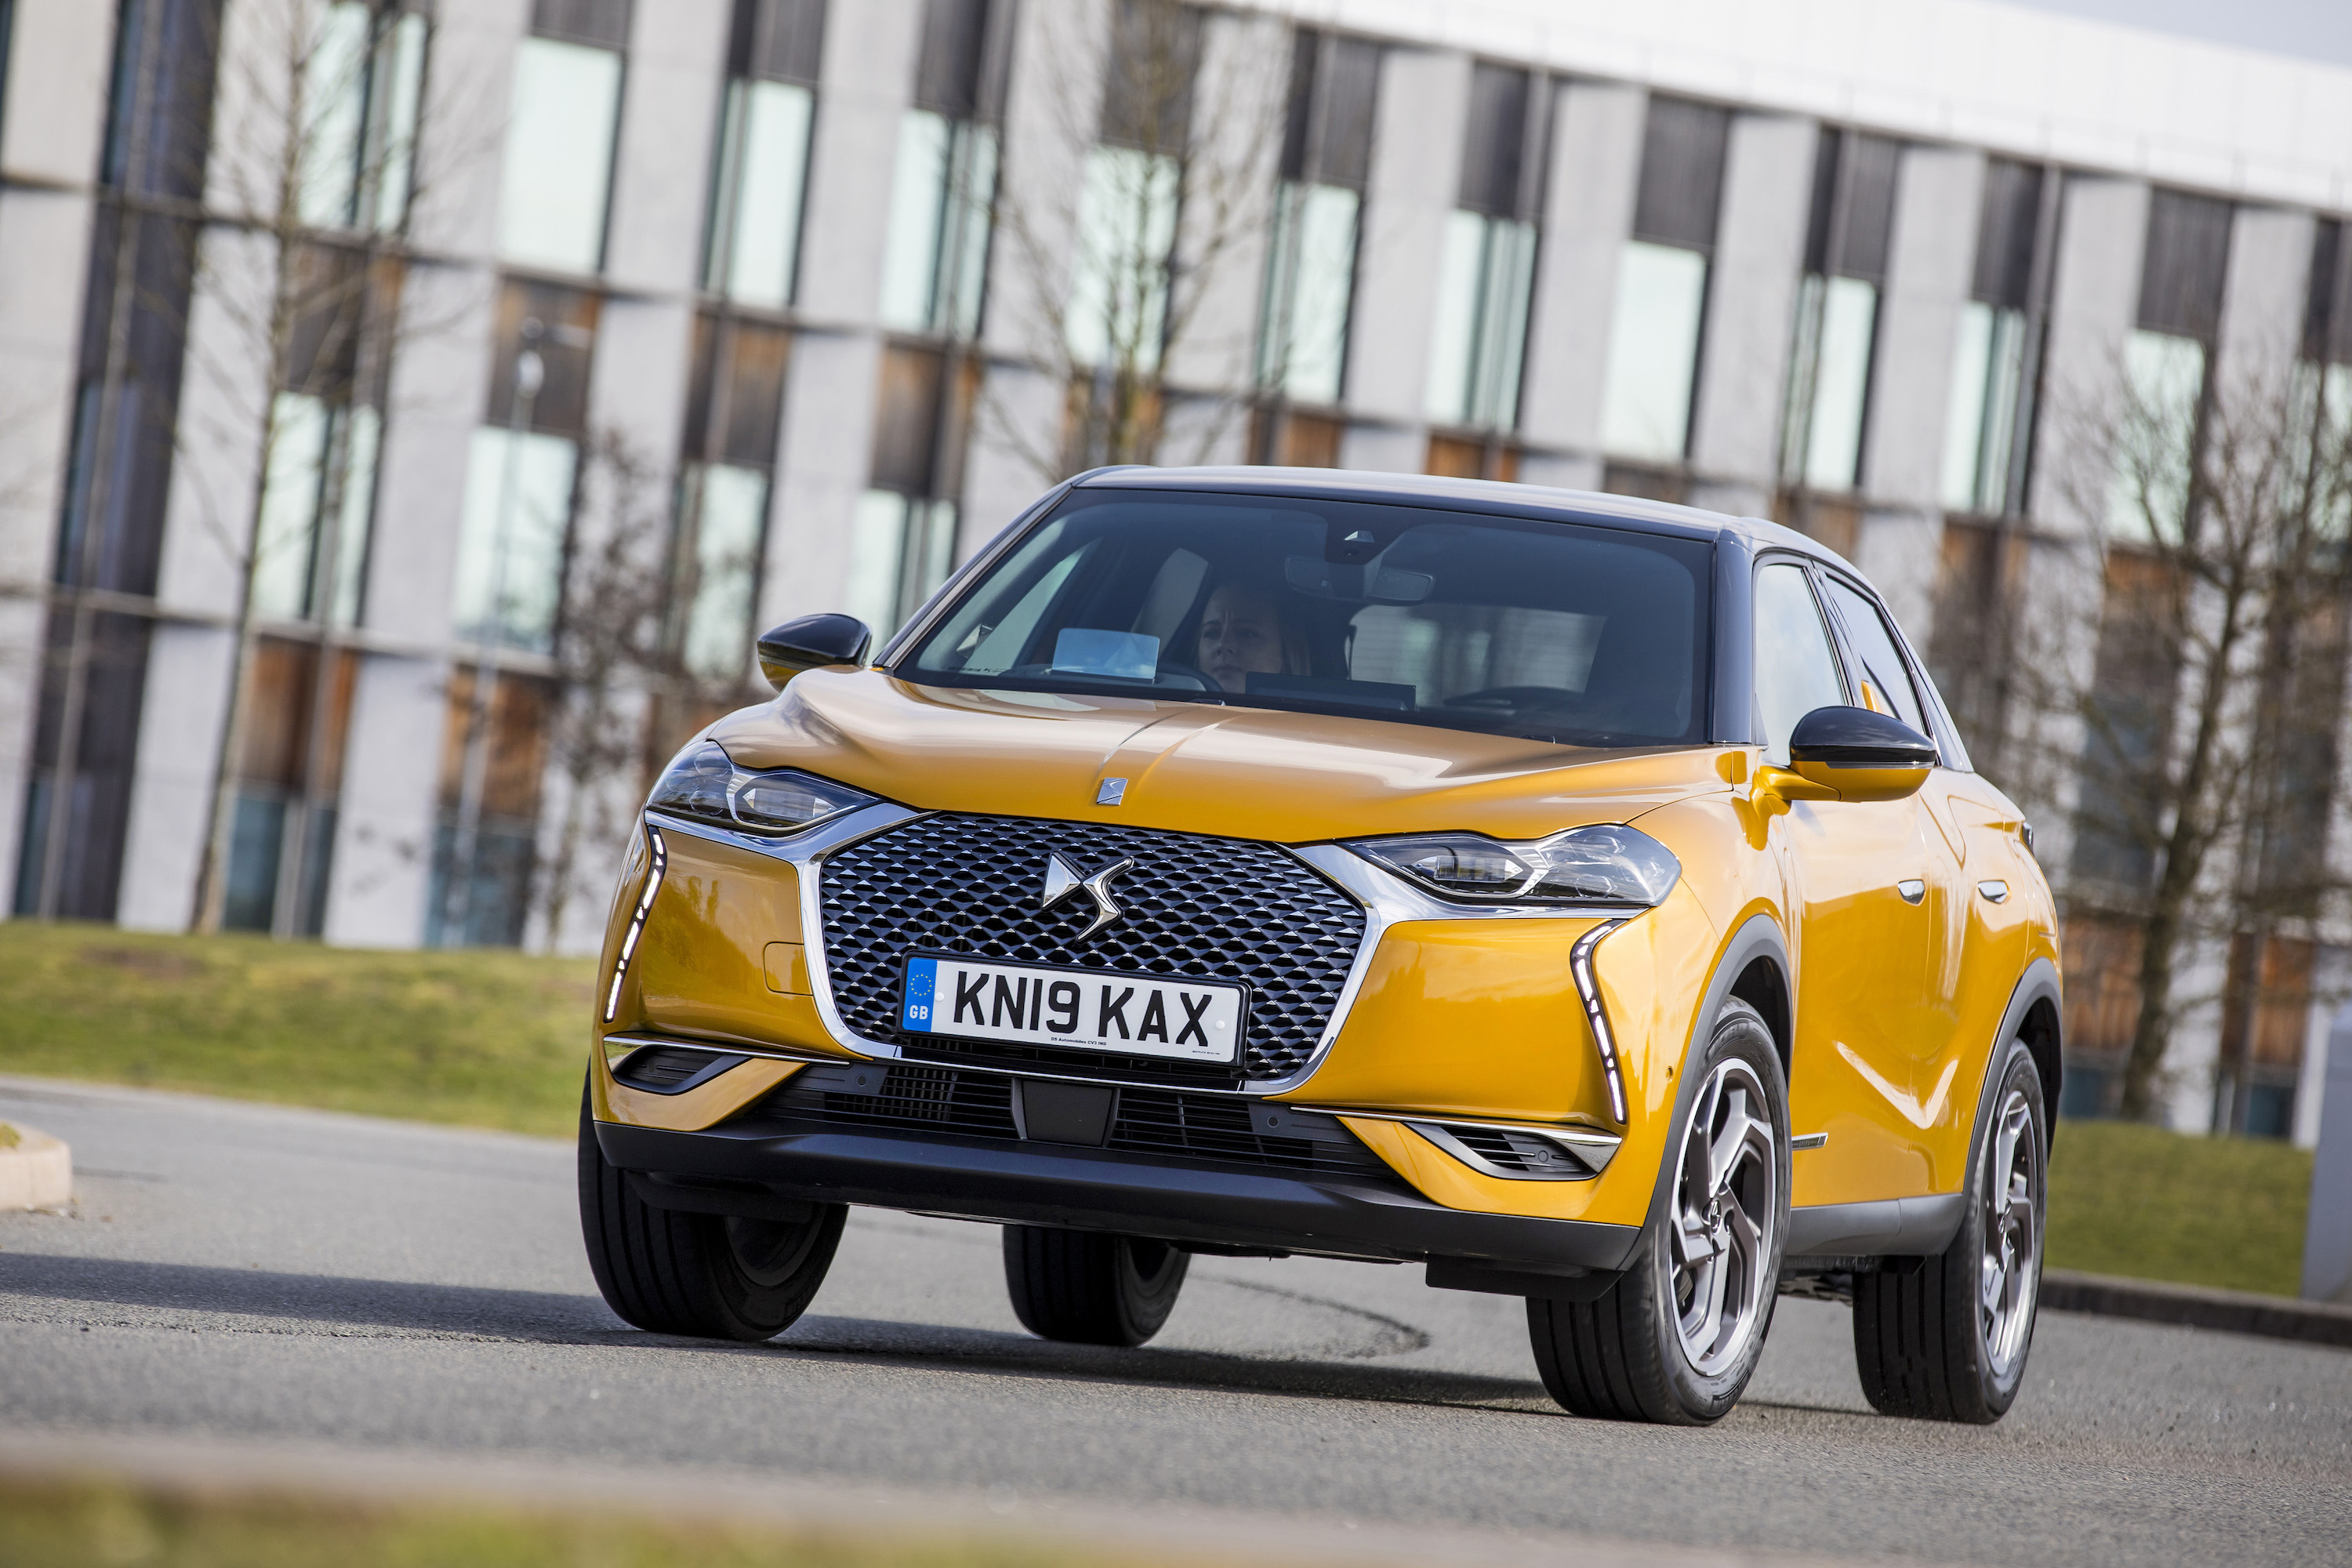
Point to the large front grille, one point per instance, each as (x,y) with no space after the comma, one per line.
(1209,909)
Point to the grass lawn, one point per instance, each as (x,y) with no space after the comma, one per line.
(49,1524)
(500,1039)
(2153,1205)
(489,1038)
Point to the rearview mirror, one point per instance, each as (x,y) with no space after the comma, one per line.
(812,642)
(1860,755)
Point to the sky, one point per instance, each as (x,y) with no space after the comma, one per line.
(2305,29)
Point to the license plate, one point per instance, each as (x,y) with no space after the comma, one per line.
(1135,1014)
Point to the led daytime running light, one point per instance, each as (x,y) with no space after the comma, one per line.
(1580,965)
(637,921)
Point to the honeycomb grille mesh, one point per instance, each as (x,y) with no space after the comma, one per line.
(1202,907)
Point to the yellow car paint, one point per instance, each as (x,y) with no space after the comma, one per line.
(1897,1004)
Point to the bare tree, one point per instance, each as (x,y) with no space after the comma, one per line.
(2207,724)
(626,677)
(313,177)
(1122,265)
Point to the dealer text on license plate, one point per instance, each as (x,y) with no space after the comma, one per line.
(1135,1014)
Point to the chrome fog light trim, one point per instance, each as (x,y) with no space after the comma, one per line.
(1580,966)
(660,855)
(1587,1150)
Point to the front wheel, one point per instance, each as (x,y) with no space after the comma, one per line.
(713,1277)
(1086,1287)
(1676,1339)
(1946,1339)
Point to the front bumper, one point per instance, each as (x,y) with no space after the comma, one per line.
(750,1169)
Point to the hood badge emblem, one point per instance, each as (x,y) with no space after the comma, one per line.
(1062,880)
(1110,792)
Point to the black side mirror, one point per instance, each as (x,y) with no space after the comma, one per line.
(1861,754)
(812,642)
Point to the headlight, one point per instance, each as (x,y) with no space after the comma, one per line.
(704,784)
(1603,865)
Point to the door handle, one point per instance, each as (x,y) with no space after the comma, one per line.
(1912,888)
(1992,892)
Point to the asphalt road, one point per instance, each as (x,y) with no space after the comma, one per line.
(338,1286)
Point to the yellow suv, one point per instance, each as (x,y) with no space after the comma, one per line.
(1587,898)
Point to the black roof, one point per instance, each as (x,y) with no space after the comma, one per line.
(1467,495)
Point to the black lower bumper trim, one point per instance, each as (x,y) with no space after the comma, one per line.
(1096,1189)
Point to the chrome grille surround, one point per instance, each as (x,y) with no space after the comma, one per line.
(1194,905)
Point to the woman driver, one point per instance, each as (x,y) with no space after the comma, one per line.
(1241,631)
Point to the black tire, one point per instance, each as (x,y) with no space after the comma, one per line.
(709,1277)
(1923,1341)
(1091,1288)
(1626,1356)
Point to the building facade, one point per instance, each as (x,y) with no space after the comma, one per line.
(408,411)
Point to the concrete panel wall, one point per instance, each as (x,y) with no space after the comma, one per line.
(2262,308)
(1416,174)
(44,259)
(2095,300)
(383,834)
(1053,96)
(1929,267)
(828,440)
(469,89)
(1751,312)
(1238,115)
(670,123)
(439,379)
(171,789)
(1596,169)
(52,105)
(869,65)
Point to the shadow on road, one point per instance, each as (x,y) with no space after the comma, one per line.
(170,1293)
(299,1298)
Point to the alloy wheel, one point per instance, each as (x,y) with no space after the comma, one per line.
(2009,1273)
(1727,1203)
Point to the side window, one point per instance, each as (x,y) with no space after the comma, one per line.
(1881,662)
(1796,671)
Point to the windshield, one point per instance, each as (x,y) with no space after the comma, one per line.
(1588,637)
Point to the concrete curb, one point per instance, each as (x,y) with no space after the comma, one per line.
(36,1170)
(2198,1307)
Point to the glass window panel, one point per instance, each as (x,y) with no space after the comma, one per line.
(396,164)
(763,160)
(334,107)
(256,839)
(1881,662)
(365,439)
(287,532)
(918,214)
(1311,269)
(730,518)
(1964,429)
(1509,277)
(1796,671)
(1654,351)
(1988,404)
(2164,378)
(1118,292)
(511,540)
(558,156)
(877,546)
(1455,332)
(1840,385)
